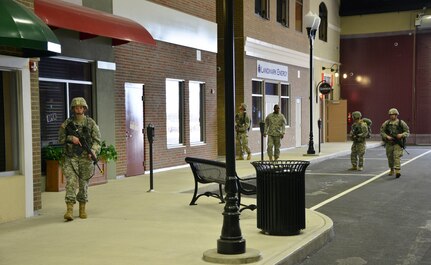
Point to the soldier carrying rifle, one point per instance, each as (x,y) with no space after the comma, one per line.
(81,138)
(394,133)
(358,134)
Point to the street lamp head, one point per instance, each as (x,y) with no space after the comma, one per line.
(311,21)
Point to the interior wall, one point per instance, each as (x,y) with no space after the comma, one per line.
(12,198)
(422,98)
(379,76)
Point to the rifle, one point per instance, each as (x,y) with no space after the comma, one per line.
(355,132)
(393,134)
(400,143)
(75,132)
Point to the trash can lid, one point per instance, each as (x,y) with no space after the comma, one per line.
(281,166)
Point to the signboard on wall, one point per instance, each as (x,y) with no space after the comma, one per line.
(272,71)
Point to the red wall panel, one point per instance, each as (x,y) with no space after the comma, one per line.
(423,83)
(379,76)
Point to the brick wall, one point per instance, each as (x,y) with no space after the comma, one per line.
(249,24)
(34,86)
(151,66)
(35,122)
(200,8)
(273,32)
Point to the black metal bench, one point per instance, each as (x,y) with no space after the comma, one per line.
(209,171)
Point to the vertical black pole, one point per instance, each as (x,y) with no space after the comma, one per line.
(311,34)
(262,131)
(151,166)
(231,241)
(150,136)
(319,126)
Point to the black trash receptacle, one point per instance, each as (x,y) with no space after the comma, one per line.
(281,196)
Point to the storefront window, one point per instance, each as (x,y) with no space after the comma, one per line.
(174,112)
(257,103)
(60,81)
(196,111)
(9,133)
(285,102)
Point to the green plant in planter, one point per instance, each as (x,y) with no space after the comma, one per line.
(52,152)
(107,152)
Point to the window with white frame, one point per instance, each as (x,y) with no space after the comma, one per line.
(197,112)
(283,12)
(323,27)
(275,93)
(257,103)
(59,82)
(174,112)
(285,101)
(9,123)
(298,15)
(261,7)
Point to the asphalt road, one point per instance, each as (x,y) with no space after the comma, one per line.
(378,219)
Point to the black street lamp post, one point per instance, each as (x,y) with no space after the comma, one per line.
(231,240)
(312,22)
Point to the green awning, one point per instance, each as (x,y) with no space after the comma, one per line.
(22,29)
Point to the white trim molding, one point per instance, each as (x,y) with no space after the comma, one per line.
(267,51)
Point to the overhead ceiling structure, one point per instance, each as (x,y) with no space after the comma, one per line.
(364,7)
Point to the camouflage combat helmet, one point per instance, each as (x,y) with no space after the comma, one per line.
(243,106)
(393,111)
(356,115)
(79,102)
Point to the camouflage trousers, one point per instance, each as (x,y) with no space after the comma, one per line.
(274,143)
(394,153)
(357,154)
(78,171)
(242,143)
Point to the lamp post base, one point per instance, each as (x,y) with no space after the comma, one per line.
(250,256)
(315,154)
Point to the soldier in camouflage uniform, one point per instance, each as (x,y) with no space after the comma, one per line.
(394,132)
(77,165)
(242,125)
(275,124)
(358,133)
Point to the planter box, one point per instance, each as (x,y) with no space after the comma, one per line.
(56,181)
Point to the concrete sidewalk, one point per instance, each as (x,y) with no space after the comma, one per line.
(129,225)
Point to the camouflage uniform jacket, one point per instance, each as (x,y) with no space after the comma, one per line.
(392,128)
(359,131)
(88,129)
(242,122)
(275,124)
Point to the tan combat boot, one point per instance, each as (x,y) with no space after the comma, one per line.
(353,168)
(391,172)
(270,158)
(239,158)
(397,173)
(248,156)
(82,213)
(69,213)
